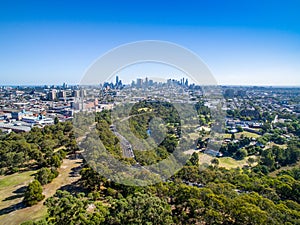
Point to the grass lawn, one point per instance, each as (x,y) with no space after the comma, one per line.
(248,134)
(11,189)
(238,135)
(230,163)
(11,209)
(14,179)
(226,162)
(226,136)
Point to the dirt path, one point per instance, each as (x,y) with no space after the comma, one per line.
(65,177)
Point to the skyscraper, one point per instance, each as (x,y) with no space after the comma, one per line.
(139,82)
(117,80)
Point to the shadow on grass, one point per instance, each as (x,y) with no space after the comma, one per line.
(20,190)
(75,171)
(19,193)
(74,188)
(12,208)
(13,197)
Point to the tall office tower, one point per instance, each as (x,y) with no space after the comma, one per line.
(139,82)
(132,83)
(186,82)
(117,80)
(151,82)
(65,86)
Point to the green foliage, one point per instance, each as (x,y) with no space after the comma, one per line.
(241,154)
(35,147)
(210,196)
(194,160)
(33,193)
(65,208)
(275,157)
(56,120)
(215,162)
(140,208)
(46,175)
(294,172)
(109,140)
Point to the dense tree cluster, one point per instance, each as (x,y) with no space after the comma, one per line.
(109,140)
(46,175)
(276,157)
(196,194)
(193,196)
(140,116)
(36,147)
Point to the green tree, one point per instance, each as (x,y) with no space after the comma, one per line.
(46,175)
(65,208)
(241,153)
(194,160)
(34,193)
(215,162)
(250,161)
(140,208)
(56,120)
(55,161)
(232,136)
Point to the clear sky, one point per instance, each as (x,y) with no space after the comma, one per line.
(243,42)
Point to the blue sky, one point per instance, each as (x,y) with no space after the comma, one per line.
(242,42)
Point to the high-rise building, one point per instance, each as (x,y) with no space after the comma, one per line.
(186,82)
(82,93)
(62,94)
(65,86)
(117,80)
(139,82)
(52,95)
(132,83)
(75,94)
(151,82)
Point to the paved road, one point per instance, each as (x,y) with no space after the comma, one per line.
(125,145)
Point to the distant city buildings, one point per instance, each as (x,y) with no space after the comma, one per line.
(52,95)
(38,106)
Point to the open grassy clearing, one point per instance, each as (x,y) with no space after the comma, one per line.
(14,179)
(226,162)
(194,136)
(248,134)
(12,211)
(238,135)
(11,189)
(230,163)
